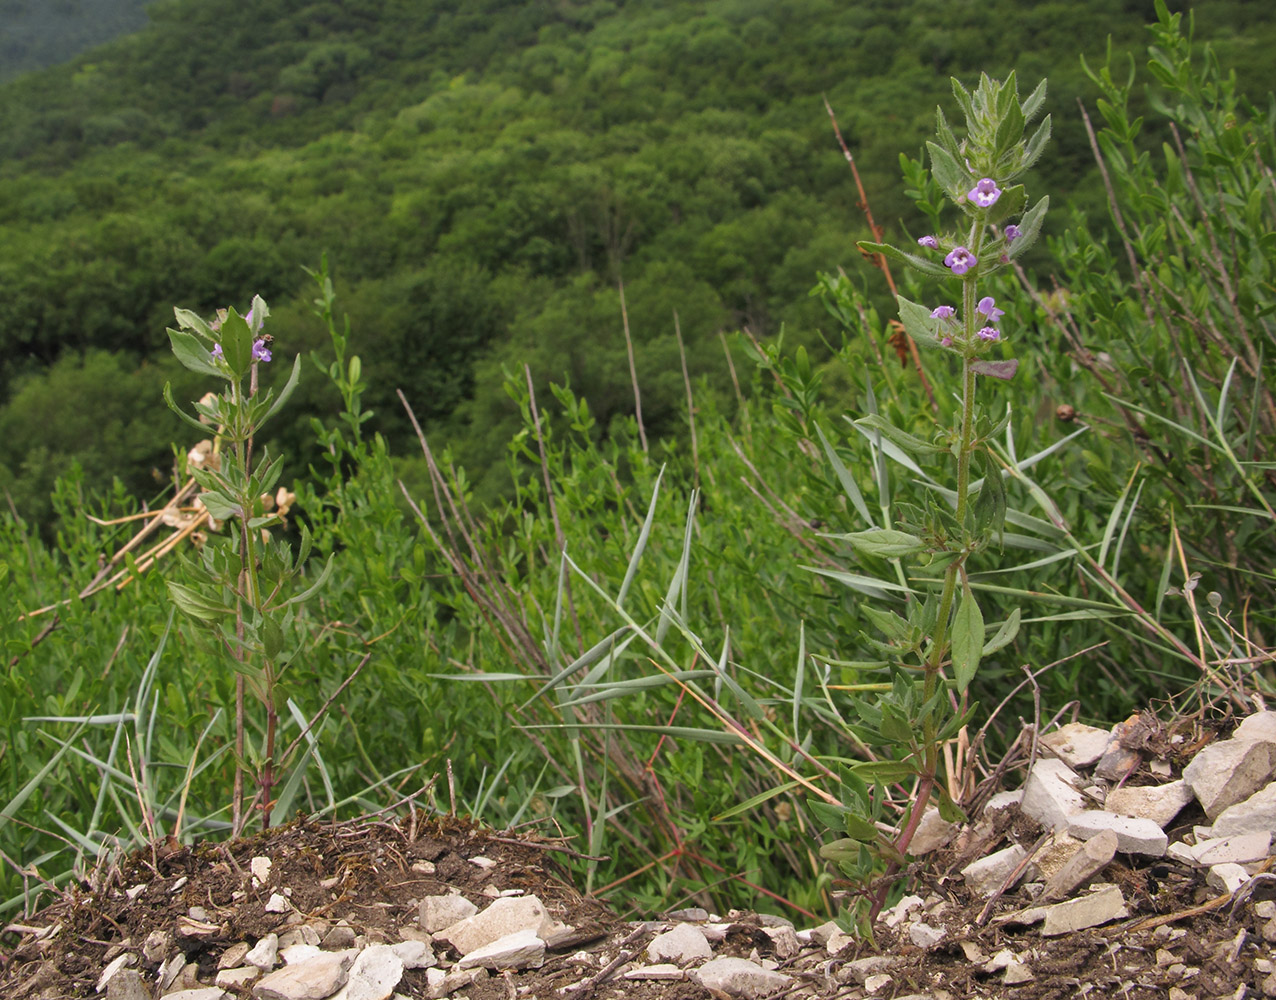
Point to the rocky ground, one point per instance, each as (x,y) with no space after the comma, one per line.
(1130,863)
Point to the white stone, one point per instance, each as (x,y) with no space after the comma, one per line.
(414,954)
(1226,877)
(440,912)
(1091,910)
(502,918)
(1077,745)
(685,943)
(1259,726)
(203,993)
(260,867)
(1228,772)
(1016,973)
(114,966)
(1233,850)
(738,977)
(784,940)
(663,971)
(156,946)
(374,975)
(482,862)
(276,903)
(453,981)
(987,875)
(265,953)
(1050,794)
(127,984)
(1088,860)
(1003,801)
(877,983)
(898,913)
(231,978)
(1134,836)
(925,936)
(932,833)
(1255,814)
(233,957)
(1159,803)
(520,950)
(295,953)
(314,979)
(1055,853)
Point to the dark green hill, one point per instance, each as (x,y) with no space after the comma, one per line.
(482,176)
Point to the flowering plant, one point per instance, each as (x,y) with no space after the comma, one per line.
(933,649)
(242,590)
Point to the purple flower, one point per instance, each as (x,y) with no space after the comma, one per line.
(217,351)
(943,312)
(260,351)
(1012,233)
(960,260)
(945,341)
(928,241)
(985,193)
(989,333)
(988,307)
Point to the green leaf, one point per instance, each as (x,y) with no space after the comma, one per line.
(889,623)
(272,637)
(1004,370)
(885,542)
(172,405)
(849,486)
(911,443)
(285,392)
(193,354)
(918,322)
(946,171)
(1005,634)
(1029,229)
(933,268)
(845,849)
(885,772)
(236,338)
(196,604)
(219,506)
(968,639)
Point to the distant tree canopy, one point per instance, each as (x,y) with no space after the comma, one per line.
(483,179)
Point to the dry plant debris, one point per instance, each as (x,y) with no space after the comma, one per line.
(1059,888)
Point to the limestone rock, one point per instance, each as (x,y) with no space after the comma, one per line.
(1226,877)
(684,944)
(1228,772)
(374,974)
(1050,794)
(501,918)
(1259,726)
(1256,814)
(265,953)
(1091,910)
(662,971)
(317,977)
(1090,858)
(127,984)
(1158,803)
(987,875)
(1077,745)
(738,977)
(440,912)
(933,832)
(519,950)
(1134,836)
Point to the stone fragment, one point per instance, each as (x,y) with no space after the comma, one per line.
(1003,801)
(1255,814)
(307,934)
(519,950)
(1054,854)
(1134,836)
(738,977)
(1226,877)
(265,953)
(229,979)
(1239,849)
(501,918)
(1228,772)
(1017,973)
(449,983)
(200,993)
(1121,756)
(684,943)
(1050,794)
(785,941)
(338,937)
(878,982)
(277,903)
(1158,803)
(260,868)
(1259,726)
(662,971)
(1091,910)
(374,974)
(690,914)
(440,912)
(925,936)
(932,833)
(170,970)
(861,968)
(1077,745)
(127,984)
(113,967)
(233,957)
(1088,860)
(898,913)
(987,875)
(317,977)
(415,954)
(157,946)
(296,953)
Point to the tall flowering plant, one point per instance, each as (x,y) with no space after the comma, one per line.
(243,592)
(934,648)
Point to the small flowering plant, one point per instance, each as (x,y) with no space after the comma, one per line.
(933,649)
(242,592)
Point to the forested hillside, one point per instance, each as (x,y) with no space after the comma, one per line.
(483,177)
